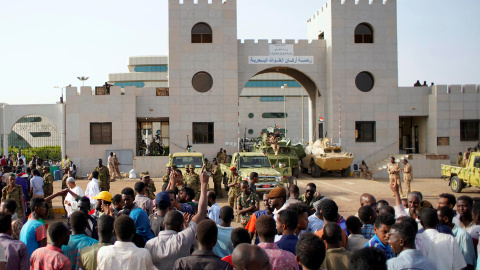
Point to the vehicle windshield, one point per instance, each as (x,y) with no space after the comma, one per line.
(254,162)
(182,161)
(338,150)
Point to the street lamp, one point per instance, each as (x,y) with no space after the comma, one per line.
(83,79)
(284,87)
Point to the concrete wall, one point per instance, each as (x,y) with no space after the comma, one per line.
(156,166)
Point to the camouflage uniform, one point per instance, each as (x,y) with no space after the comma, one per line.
(151,190)
(194,182)
(245,201)
(103,178)
(47,191)
(394,175)
(233,191)
(64,181)
(17,195)
(217,181)
(407,176)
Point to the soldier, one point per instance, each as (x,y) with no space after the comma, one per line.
(116,164)
(150,189)
(66,174)
(466,156)
(217,179)
(40,166)
(194,182)
(166,177)
(364,171)
(247,203)
(186,176)
(274,144)
(14,192)
(407,175)
(103,176)
(111,167)
(208,166)
(223,157)
(219,154)
(394,174)
(48,189)
(234,185)
(460,159)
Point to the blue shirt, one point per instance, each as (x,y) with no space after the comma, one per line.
(314,223)
(75,244)
(224,246)
(465,242)
(23,183)
(142,223)
(342,223)
(29,237)
(367,231)
(288,243)
(376,243)
(214,213)
(410,259)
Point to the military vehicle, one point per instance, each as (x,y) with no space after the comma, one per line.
(459,177)
(323,157)
(288,155)
(186,158)
(247,162)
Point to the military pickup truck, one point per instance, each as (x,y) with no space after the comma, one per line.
(186,158)
(247,162)
(460,177)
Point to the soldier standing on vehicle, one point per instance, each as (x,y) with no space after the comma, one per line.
(407,175)
(234,185)
(166,177)
(394,174)
(466,156)
(274,144)
(217,179)
(103,176)
(460,158)
(48,189)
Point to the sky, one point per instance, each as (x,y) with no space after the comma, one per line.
(50,43)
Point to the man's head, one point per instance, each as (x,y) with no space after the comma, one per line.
(476,212)
(386,209)
(245,187)
(266,203)
(84,205)
(354,225)
(414,199)
(369,258)
(46,170)
(71,182)
(38,206)
(368,199)
(9,206)
(211,198)
(162,200)
(226,214)
(429,218)
(329,210)
(293,191)
(186,194)
(405,161)
(105,227)
(310,251)
(277,197)
(124,228)
(266,228)
(59,233)
(392,160)
(66,169)
(402,236)
(302,211)
(100,162)
(405,203)
(253,177)
(446,199)
(35,172)
(140,187)
(173,221)
(146,178)
(310,191)
(78,222)
(117,202)
(250,257)
(240,236)
(11,180)
(382,226)
(332,234)
(381,203)
(464,206)
(287,220)
(95,174)
(5,223)
(128,196)
(445,216)
(207,232)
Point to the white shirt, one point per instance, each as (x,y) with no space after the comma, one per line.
(92,190)
(69,198)
(275,211)
(123,255)
(472,228)
(214,213)
(169,246)
(441,249)
(356,242)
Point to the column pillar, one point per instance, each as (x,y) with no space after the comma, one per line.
(5,143)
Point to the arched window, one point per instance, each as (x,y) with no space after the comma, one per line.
(202,33)
(363,33)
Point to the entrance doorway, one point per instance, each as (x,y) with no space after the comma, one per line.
(411,139)
(152,137)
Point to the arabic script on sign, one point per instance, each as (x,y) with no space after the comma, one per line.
(298,60)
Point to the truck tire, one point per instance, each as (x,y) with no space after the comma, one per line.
(315,170)
(456,184)
(304,170)
(345,172)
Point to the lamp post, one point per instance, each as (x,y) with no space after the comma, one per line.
(83,79)
(284,87)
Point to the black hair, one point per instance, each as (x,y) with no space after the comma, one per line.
(5,222)
(310,250)
(116,199)
(294,189)
(312,185)
(36,202)
(207,232)
(139,186)
(384,219)
(368,258)
(407,231)
(240,236)
(226,213)
(446,212)
(450,198)
(11,205)
(365,212)
(386,209)
(299,208)
(253,175)
(429,218)
(128,191)
(409,220)
(57,230)
(468,199)
(173,221)
(353,224)
(124,228)
(332,233)
(383,201)
(95,174)
(212,196)
(288,218)
(35,172)
(329,210)
(28,170)
(78,221)
(105,225)
(189,191)
(266,227)
(244,182)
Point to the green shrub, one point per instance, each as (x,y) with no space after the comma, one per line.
(53,153)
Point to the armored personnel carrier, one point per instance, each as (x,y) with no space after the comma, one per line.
(322,157)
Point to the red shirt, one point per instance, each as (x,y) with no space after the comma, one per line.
(49,257)
(228,259)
